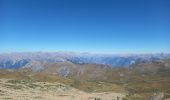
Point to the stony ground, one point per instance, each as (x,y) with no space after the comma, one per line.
(33,90)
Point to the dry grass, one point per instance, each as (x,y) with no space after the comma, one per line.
(138,85)
(36,90)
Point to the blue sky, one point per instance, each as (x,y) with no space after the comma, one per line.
(99,26)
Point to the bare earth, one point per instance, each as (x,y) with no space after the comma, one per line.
(26,90)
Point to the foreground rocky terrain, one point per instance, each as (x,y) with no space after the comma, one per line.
(33,90)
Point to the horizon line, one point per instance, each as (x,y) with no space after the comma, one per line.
(84,52)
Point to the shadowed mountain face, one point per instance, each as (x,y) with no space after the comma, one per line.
(39,60)
(8,64)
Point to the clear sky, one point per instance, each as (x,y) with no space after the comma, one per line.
(99,26)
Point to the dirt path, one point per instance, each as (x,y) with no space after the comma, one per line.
(25,90)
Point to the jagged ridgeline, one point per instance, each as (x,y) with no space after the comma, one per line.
(40,59)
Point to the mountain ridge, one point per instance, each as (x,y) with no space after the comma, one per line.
(18,60)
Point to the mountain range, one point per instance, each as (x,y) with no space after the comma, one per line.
(37,60)
(138,75)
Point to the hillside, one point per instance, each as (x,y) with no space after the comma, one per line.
(141,80)
(33,90)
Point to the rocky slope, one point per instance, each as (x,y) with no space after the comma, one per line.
(33,90)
